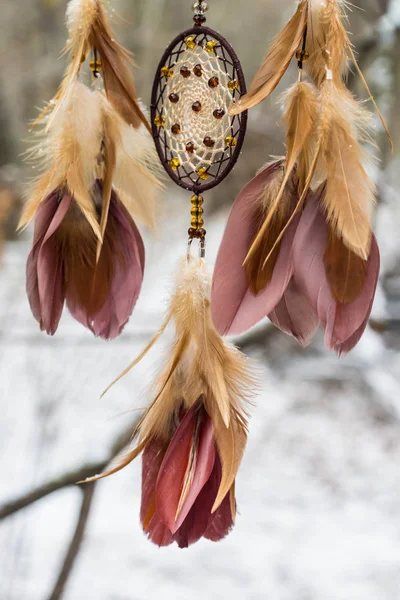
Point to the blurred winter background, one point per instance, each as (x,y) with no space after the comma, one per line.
(319,488)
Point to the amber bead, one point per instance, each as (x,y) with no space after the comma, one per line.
(95,65)
(174,98)
(176,129)
(192,232)
(190,42)
(197,200)
(213,82)
(202,233)
(196,106)
(197,223)
(199,19)
(233,84)
(230,141)
(159,120)
(174,163)
(219,113)
(198,70)
(166,72)
(190,147)
(197,212)
(302,55)
(209,142)
(210,46)
(185,72)
(202,173)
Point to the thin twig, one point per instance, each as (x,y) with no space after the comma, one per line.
(68,479)
(76,542)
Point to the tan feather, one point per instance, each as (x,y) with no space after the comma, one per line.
(118,80)
(350,193)
(81,16)
(301,116)
(345,270)
(277,62)
(89,29)
(330,47)
(202,366)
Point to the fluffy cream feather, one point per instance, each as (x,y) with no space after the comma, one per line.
(203,366)
(137,174)
(68,153)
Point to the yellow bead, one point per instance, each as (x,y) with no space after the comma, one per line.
(197,200)
(159,121)
(233,84)
(302,55)
(202,173)
(210,46)
(166,72)
(197,223)
(197,212)
(95,65)
(190,42)
(174,163)
(230,141)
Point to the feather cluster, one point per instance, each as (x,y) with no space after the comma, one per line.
(97,160)
(194,434)
(324,164)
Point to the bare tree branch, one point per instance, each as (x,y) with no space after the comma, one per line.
(76,543)
(67,479)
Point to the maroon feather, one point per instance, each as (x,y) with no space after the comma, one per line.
(193,438)
(155,529)
(50,275)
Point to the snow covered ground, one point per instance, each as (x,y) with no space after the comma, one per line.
(318,491)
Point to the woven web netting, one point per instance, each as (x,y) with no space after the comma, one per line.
(198,83)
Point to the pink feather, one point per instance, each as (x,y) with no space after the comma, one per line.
(234,307)
(343,324)
(295,315)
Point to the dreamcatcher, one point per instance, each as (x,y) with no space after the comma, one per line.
(298,247)
(194,434)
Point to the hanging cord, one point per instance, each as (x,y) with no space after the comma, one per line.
(302,55)
(199,8)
